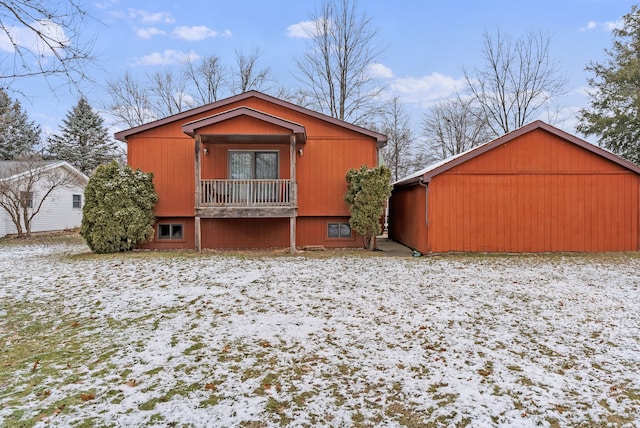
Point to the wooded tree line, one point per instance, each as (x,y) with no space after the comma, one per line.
(517,81)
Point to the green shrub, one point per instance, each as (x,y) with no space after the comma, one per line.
(367,192)
(118,210)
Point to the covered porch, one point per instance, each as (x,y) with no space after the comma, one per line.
(245,167)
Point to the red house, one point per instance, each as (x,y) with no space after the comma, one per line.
(536,189)
(251,171)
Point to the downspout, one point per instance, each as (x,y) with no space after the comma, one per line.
(293,194)
(424,184)
(197,227)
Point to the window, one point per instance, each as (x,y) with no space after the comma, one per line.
(253,165)
(26,199)
(338,230)
(77,201)
(170,231)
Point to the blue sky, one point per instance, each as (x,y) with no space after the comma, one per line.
(428,43)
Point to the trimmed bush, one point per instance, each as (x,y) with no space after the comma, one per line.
(118,210)
(367,192)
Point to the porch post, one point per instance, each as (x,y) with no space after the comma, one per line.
(197,169)
(294,192)
(197,234)
(197,195)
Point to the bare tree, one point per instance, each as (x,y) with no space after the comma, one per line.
(247,75)
(26,184)
(207,77)
(130,102)
(518,81)
(168,90)
(45,39)
(454,126)
(335,70)
(399,153)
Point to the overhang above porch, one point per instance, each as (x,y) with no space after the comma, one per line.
(212,129)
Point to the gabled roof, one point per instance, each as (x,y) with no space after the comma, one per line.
(191,128)
(14,169)
(185,115)
(425,175)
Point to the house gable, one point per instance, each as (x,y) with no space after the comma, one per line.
(537,152)
(534,147)
(244,121)
(254,100)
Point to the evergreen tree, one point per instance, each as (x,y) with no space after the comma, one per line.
(84,141)
(367,191)
(614,111)
(118,210)
(18,135)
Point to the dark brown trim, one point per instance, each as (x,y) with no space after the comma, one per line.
(123,135)
(457,160)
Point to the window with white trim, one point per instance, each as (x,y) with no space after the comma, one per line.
(77,201)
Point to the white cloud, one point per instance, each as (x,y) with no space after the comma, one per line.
(151,18)
(194,33)
(147,33)
(613,25)
(168,57)
(607,25)
(380,71)
(302,30)
(26,38)
(591,25)
(427,89)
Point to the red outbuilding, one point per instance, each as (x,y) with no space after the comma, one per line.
(536,189)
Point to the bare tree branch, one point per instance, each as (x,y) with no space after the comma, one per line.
(206,77)
(454,126)
(335,70)
(168,90)
(400,153)
(518,81)
(44,39)
(246,75)
(130,102)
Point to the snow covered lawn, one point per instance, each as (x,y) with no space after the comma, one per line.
(323,339)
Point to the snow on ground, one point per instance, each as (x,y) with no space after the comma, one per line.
(179,339)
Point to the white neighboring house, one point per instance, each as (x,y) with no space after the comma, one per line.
(62,208)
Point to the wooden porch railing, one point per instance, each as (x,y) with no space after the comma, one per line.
(246,193)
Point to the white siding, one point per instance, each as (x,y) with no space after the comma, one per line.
(57,212)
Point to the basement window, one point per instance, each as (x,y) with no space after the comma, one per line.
(339,230)
(172,231)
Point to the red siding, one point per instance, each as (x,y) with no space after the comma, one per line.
(536,193)
(322,170)
(245,233)
(329,152)
(185,244)
(312,231)
(407,218)
(172,161)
